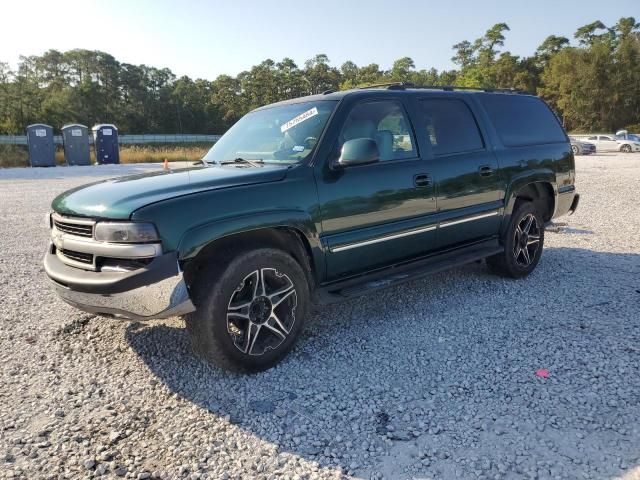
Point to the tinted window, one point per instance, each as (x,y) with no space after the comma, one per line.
(384,122)
(604,137)
(451,127)
(522,120)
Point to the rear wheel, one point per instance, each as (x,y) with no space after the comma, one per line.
(523,242)
(250,311)
(575,149)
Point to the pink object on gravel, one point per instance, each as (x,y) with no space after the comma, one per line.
(542,373)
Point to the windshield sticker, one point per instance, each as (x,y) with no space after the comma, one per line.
(298,148)
(299,119)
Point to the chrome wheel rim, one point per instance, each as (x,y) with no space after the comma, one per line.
(526,241)
(261,311)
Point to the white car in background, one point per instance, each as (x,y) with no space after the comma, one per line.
(609,143)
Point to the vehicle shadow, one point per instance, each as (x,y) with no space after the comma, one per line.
(431,370)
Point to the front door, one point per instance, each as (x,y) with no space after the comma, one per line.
(376,214)
(469,189)
(607,144)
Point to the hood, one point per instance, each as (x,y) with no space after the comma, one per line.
(118,198)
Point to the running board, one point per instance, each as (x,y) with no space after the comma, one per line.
(397,274)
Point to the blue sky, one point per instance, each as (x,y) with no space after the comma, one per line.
(204,39)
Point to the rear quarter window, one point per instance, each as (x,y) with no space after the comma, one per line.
(522,120)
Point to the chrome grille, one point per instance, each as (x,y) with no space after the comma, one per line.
(78,256)
(79,228)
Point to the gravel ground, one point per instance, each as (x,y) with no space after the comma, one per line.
(434,379)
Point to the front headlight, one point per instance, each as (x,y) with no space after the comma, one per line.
(125,232)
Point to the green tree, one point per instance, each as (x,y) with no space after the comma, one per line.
(402,69)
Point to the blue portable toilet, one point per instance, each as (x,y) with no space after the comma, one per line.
(42,150)
(105,141)
(75,138)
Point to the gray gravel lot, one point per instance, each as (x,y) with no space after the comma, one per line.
(434,379)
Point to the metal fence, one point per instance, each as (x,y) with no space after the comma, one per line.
(125,139)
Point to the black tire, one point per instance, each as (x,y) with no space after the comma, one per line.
(575,149)
(229,300)
(514,262)
(625,148)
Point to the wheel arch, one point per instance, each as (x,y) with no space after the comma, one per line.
(225,239)
(541,191)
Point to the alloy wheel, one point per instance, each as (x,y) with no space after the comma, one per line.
(261,311)
(526,240)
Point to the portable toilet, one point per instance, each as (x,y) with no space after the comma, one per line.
(105,141)
(75,138)
(42,150)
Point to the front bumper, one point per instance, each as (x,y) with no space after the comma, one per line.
(157,290)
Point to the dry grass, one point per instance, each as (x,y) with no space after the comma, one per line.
(17,155)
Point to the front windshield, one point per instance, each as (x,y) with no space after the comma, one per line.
(287,133)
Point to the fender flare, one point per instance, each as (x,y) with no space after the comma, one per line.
(195,239)
(520,181)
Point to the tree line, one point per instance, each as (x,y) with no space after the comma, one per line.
(592,82)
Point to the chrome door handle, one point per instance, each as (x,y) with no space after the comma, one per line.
(422,180)
(485,171)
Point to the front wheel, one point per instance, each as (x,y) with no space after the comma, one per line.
(575,149)
(250,311)
(523,242)
(625,148)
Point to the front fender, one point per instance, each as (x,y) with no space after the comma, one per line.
(194,240)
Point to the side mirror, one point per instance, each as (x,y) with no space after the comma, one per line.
(359,151)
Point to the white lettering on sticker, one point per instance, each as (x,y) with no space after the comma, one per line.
(107,131)
(298,148)
(41,132)
(299,119)
(76,132)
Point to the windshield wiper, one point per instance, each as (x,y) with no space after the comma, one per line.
(253,162)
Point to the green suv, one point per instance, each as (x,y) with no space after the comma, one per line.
(314,200)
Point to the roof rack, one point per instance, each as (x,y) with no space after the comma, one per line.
(389,85)
(446,88)
(451,88)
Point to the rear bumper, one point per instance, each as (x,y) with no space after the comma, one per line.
(156,291)
(566,201)
(574,203)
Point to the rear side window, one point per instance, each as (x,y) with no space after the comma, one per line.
(451,127)
(522,120)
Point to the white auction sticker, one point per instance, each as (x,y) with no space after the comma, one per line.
(76,132)
(299,119)
(107,131)
(41,132)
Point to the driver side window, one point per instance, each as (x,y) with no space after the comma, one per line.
(384,122)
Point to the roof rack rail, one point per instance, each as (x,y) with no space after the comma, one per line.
(451,88)
(446,88)
(389,85)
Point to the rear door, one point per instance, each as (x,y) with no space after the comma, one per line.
(377,214)
(468,184)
